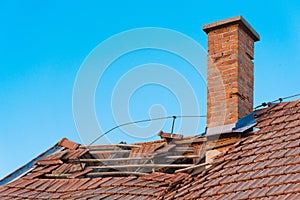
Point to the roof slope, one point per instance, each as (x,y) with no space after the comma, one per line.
(103,171)
(264,165)
(150,186)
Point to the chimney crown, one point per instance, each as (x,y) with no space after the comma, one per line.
(230,21)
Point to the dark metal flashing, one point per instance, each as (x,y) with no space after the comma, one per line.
(29,166)
(242,125)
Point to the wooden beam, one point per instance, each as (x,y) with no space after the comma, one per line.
(135,158)
(192,167)
(113,159)
(108,151)
(190,141)
(112,146)
(57,175)
(216,146)
(183,149)
(141,166)
(115,173)
(176,149)
(187,156)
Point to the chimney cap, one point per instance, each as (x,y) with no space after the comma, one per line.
(230,21)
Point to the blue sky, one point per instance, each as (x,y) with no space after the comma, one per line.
(43,44)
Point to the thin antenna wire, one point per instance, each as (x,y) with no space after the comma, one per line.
(276,100)
(288,97)
(145,120)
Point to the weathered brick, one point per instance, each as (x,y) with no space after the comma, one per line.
(230,70)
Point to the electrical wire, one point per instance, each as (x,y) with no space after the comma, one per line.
(191,116)
(264,104)
(144,120)
(292,96)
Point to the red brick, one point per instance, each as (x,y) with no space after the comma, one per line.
(229,68)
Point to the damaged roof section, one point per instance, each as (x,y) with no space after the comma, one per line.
(75,168)
(147,169)
(142,170)
(74,160)
(112,171)
(234,165)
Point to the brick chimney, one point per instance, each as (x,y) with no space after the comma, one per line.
(230,71)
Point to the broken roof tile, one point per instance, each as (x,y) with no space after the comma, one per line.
(68,144)
(49,162)
(80,173)
(74,154)
(170,135)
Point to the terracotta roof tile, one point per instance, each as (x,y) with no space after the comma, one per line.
(45,183)
(36,184)
(293,130)
(54,187)
(75,184)
(99,196)
(80,173)
(68,144)
(74,154)
(265,123)
(155,184)
(110,181)
(91,184)
(292,117)
(45,195)
(28,194)
(195,195)
(9,191)
(258,192)
(2,189)
(49,162)
(18,192)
